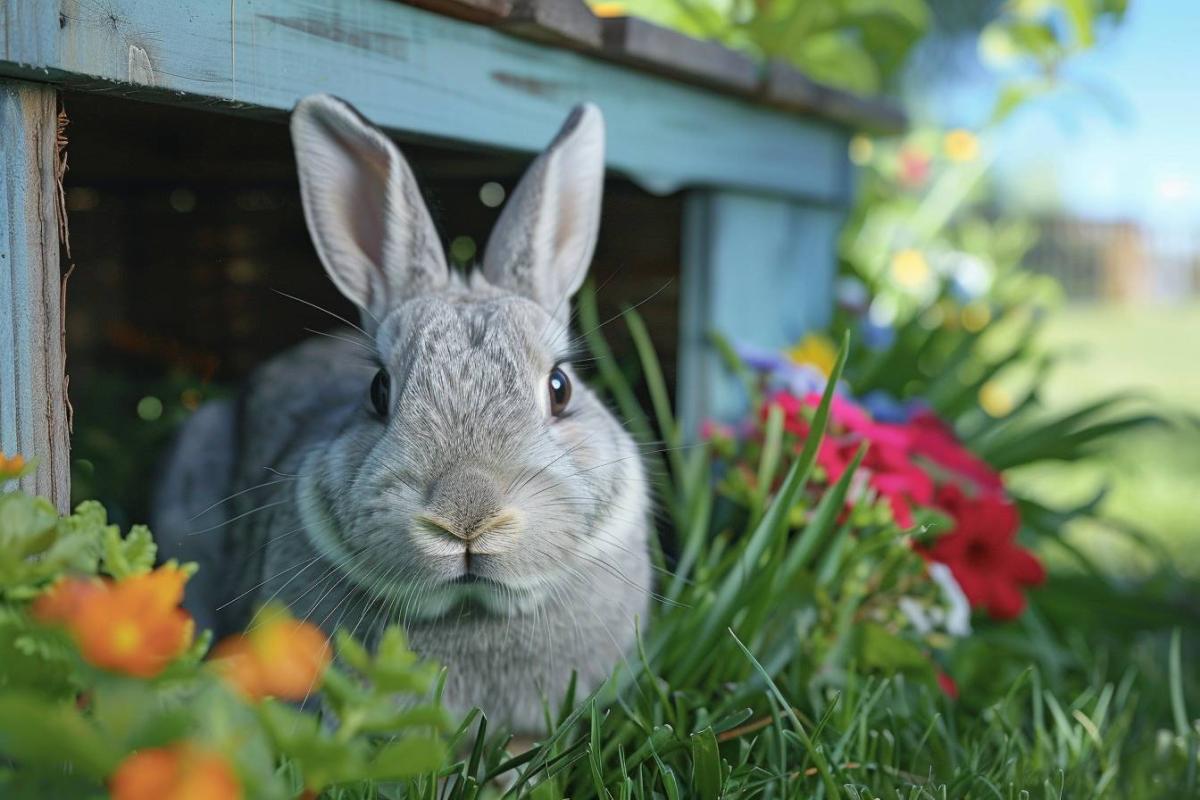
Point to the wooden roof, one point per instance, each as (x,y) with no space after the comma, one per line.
(636,42)
(493,74)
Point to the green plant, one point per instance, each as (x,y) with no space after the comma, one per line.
(88,699)
(770,668)
(852,44)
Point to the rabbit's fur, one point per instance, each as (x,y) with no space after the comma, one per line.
(509,541)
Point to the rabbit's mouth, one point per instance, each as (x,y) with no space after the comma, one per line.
(464,586)
(473,579)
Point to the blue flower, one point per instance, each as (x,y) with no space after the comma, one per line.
(885,408)
(800,380)
(761,358)
(876,336)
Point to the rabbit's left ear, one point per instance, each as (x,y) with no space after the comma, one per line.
(543,241)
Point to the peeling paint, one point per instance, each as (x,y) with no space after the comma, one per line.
(233,47)
(336,30)
(140,70)
(524,83)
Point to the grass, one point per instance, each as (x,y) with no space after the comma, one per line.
(1117,348)
(777,666)
(1148,477)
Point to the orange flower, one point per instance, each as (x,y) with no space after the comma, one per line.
(63,600)
(11,466)
(133,626)
(281,657)
(178,772)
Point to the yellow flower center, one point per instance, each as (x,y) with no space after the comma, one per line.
(126,637)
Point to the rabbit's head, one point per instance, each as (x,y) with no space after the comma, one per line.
(476,466)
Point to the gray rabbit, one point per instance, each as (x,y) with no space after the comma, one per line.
(442,466)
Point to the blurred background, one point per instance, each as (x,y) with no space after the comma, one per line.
(1051,169)
(1104,170)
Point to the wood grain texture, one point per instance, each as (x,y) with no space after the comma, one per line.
(787,87)
(669,52)
(482,11)
(33,415)
(757,269)
(565,22)
(421,75)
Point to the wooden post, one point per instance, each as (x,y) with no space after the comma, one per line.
(757,269)
(33,414)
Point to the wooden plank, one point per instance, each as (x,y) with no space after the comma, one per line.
(482,11)
(669,52)
(788,87)
(33,415)
(421,75)
(564,22)
(759,270)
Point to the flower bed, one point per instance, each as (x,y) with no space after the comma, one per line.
(813,603)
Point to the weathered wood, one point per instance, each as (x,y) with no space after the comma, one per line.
(757,269)
(421,75)
(669,52)
(33,414)
(564,22)
(788,87)
(483,11)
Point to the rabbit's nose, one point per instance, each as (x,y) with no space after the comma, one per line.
(506,520)
(451,527)
(466,504)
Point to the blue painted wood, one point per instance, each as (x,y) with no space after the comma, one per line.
(758,270)
(32,391)
(421,75)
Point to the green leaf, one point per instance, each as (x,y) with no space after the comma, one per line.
(882,650)
(406,758)
(51,733)
(380,718)
(706,765)
(132,554)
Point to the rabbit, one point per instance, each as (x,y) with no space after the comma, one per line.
(441,465)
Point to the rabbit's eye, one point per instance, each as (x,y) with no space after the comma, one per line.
(381,392)
(560,391)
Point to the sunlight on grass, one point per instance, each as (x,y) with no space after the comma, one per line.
(1150,475)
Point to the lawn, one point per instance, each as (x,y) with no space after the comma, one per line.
(1151,476)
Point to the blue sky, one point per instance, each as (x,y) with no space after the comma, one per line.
(1134,154)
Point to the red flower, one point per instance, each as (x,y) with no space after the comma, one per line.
(982,552)
(887,465)
(933,439)
(914,167)
(922,463)
(947,684)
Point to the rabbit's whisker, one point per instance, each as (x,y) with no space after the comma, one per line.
(610,463)
(324,310)
(373,357)
(328,569)
(244,514)
(224,500)
(267,580)
(582,338)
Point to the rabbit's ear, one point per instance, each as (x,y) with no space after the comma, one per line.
(543,241)
(363,208)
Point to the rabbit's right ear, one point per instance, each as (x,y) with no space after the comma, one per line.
(363,208)
(543,242)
